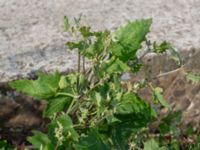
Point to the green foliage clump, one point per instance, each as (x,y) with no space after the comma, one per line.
(93,109)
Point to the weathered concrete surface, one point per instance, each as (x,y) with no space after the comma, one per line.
(32,38)
(180,93)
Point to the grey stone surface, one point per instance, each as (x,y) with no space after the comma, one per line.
(32,38)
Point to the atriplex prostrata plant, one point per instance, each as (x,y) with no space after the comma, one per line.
(93,108)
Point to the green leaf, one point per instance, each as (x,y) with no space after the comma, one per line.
(131,103)
(77,20)
(162,47)
(192,77)
(117,83)
(71,79)
(80,45)
(152,145)
(127,39)
(175,55)
(114,65)
(5,146)
(99,46)
(158,97)
(134,114)
(91,141)
(44,87)
(85,31)
(63,83)
(40,141)
(111,119)
(68,131)
(57,104)
(66,24)
(68,81)
(170,124)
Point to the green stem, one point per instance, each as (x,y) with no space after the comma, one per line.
(71,105)
(65,94)
(151,87)
(83,64)
(78,75)
(81,97)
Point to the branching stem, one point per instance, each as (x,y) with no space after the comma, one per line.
(78,71)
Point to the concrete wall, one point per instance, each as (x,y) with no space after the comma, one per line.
(32,38)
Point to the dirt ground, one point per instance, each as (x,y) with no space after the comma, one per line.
(19,115)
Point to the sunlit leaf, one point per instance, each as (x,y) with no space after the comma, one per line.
(44,87)
(115,66)
(128,39)
(152,145)
(63,83)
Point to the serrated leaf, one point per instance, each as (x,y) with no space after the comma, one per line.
(158,97)
(44,87)
(91,141)
(57,104)
(152,145)
(40,141)
(130,103)
(134,114)
(128,39)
